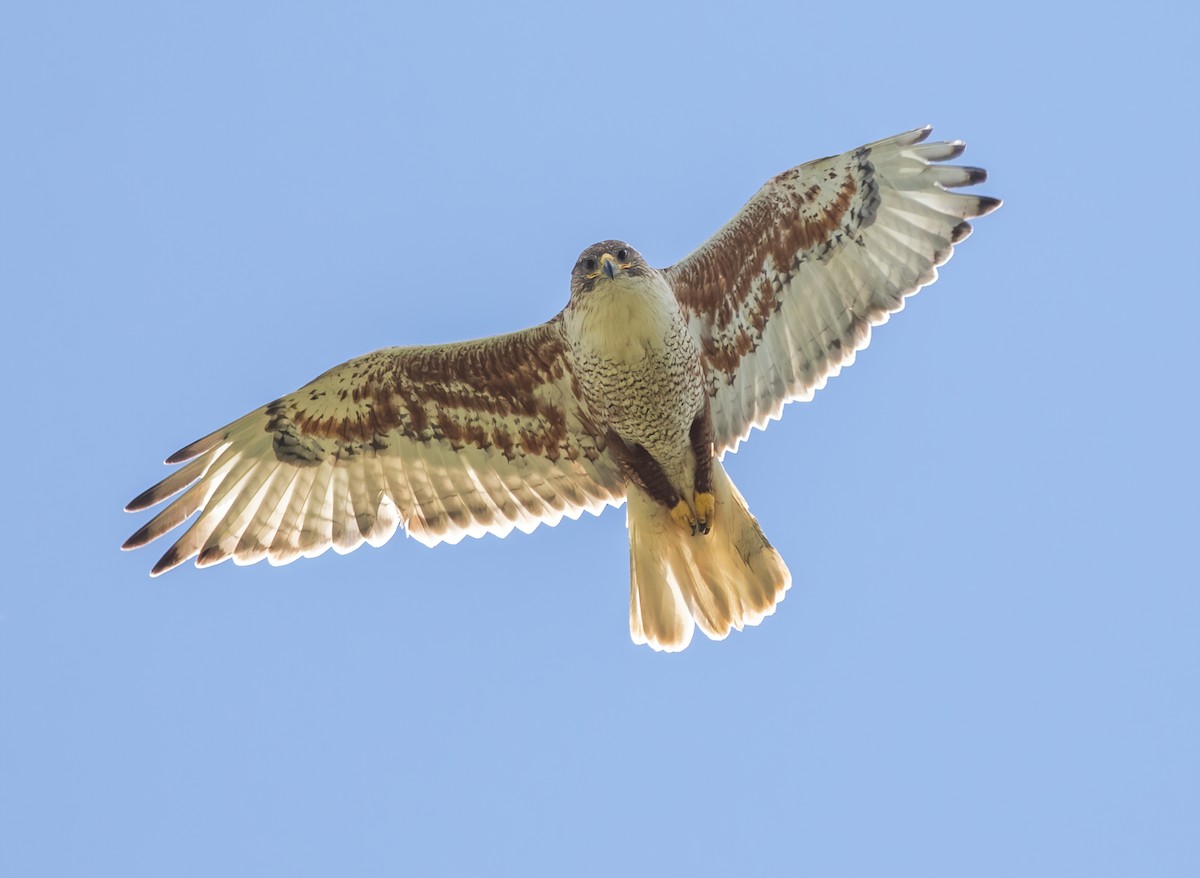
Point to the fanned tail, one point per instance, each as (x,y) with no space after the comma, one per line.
(727,579)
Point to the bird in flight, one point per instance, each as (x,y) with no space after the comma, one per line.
(633,392)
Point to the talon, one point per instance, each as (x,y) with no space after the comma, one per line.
(705,504)
(682,513)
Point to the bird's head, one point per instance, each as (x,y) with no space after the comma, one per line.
(605,263)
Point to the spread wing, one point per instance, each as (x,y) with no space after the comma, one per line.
(446,441)
(785,294)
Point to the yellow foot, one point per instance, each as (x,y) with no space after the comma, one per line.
(682,513)
(705,503)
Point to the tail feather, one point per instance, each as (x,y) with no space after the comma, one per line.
(724,580)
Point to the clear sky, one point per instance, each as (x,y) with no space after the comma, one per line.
(989,663)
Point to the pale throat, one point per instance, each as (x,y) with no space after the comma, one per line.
(627,320)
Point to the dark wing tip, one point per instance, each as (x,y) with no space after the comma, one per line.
(961,232)
(172,559)
(987,204)
(198,447)
(144,500)
(211,555)
(974,175)
(954,148)
(185,454)
(139,538)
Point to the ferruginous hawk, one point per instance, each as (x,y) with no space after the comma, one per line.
(633,392)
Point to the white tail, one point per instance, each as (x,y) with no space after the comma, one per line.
(725,579)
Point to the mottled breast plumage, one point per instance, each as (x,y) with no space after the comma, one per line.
(639,366)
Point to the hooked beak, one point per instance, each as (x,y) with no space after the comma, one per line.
(609,265)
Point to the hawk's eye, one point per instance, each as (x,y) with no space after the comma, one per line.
(622,254)
(589,264)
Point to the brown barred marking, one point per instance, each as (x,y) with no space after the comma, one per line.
(481,395)
(779,224)
(780,228)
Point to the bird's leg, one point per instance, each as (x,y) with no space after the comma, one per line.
(702,446)
(646,472)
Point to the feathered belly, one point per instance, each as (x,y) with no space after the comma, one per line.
(640,370)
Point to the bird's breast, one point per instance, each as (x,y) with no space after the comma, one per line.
(639,365)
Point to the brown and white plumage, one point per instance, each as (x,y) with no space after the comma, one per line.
(785,294)
(445,441)
(483,436)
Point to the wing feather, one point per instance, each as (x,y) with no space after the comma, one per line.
(258,532)
(786,293)
(345,534)
(316,523)
(445,442)
(226,530)
(284,546)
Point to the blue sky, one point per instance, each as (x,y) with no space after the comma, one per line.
(988,664)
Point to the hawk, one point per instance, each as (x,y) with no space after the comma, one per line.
(633,392)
